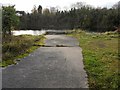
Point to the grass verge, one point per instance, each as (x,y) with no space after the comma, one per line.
(15,47)
(101,58)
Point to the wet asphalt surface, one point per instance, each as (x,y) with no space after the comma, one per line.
(49,67)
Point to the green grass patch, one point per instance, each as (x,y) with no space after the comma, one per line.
(15,47)
(101,58)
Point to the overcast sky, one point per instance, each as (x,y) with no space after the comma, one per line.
(27,5)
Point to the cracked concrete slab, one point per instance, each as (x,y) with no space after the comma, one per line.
(53,40)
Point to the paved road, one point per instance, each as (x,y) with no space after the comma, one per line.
(49,67)
(53,40)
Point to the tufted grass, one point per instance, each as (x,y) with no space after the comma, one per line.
(15,47)
(101,58)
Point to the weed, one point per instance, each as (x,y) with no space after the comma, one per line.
(100,53)
(19,47)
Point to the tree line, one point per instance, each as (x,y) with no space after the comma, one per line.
(80,16)
(10,20)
